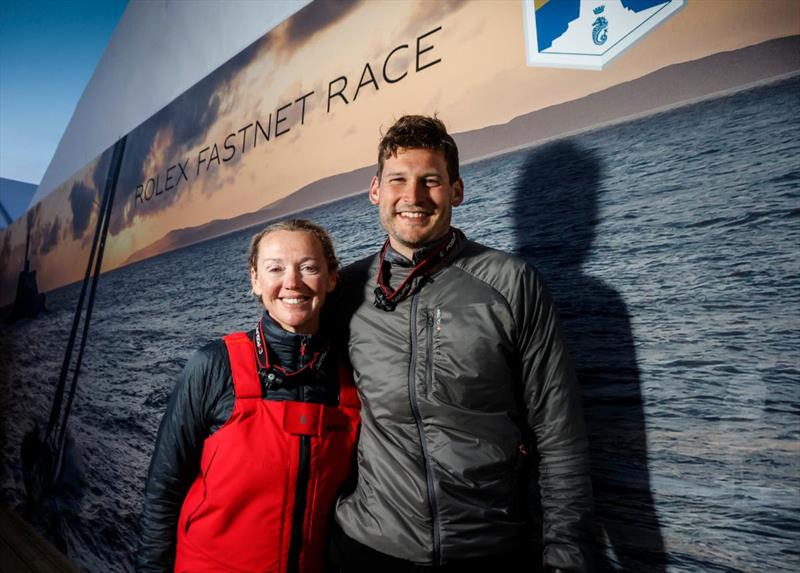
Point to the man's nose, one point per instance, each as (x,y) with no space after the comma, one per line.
(416,192)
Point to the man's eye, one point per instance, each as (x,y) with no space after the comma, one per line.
(396,180)
(432,182)
(310,268)
(274,269)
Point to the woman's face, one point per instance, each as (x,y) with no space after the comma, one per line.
(292,279)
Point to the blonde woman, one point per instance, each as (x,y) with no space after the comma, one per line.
(259,432)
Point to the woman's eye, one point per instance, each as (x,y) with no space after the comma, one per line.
(272,270)
(310,268)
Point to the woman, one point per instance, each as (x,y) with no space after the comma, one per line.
(259,431)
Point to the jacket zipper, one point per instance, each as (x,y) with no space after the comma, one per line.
(301,488)
(429,355)
(298,514)
(412,391)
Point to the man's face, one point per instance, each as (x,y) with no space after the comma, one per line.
(415,198)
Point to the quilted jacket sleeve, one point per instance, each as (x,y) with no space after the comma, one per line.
(553,401)
(176,459)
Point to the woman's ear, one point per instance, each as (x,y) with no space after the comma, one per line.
(254,282)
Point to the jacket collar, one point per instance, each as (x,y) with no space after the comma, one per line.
(395,258)
(285,345)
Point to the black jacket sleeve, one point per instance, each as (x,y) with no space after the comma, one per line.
(553,402)
(176,459)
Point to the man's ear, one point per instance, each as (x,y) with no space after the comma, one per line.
(333,278)
(374,191)
(458,192)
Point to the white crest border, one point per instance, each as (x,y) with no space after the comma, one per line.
(534,58)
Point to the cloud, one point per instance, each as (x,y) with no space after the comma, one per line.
(166,137)
(82,200)
(431,13)
(317,16)
(46,237)
(100,173)
(170,135)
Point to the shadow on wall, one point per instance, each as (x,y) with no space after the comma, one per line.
(556,212)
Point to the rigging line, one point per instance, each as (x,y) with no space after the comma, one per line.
(55,410)
(116,163)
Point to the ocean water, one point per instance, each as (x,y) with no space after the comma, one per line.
(671,245)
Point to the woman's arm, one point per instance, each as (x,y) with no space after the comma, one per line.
(176,460)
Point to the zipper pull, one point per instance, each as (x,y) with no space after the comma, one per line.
(303,347)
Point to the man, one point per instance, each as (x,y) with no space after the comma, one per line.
(467,390)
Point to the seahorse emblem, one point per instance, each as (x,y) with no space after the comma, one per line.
(600,27)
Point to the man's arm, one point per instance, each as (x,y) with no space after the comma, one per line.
(553,401)
(175,464)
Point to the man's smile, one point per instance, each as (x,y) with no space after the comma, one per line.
(413,215)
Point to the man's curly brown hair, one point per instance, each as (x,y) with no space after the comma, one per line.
(419,132)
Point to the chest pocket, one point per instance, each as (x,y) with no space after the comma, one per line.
(469,355)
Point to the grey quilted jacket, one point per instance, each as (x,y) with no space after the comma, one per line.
(468,399)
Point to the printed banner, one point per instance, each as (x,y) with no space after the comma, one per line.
(641,153)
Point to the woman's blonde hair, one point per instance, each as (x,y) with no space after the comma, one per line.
(295,225)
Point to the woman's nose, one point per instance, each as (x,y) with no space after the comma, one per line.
(291,278)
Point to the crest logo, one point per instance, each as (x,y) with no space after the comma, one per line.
(589,33)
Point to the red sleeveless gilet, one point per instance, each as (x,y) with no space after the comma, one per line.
(239,511)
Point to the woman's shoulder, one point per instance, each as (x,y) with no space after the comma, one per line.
(206,380)
(210,351)
(210,359)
